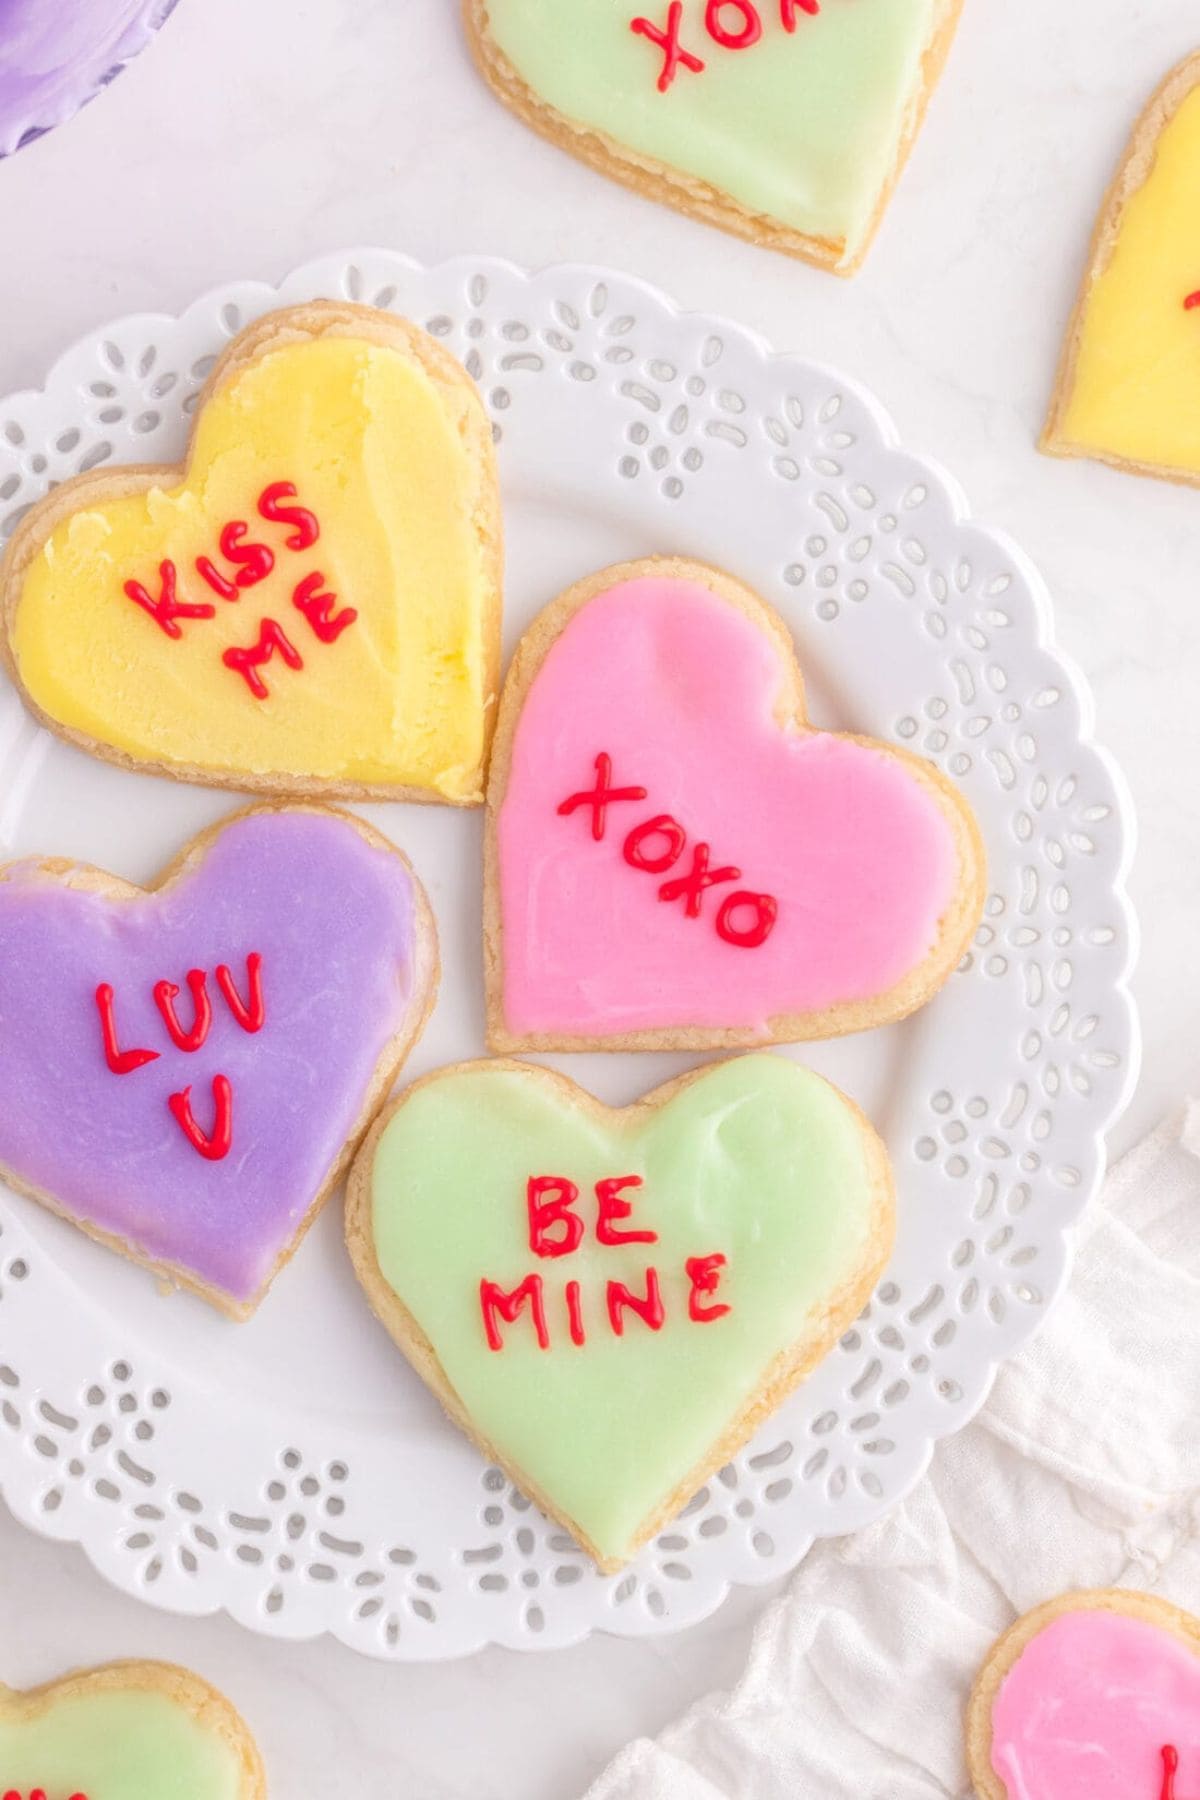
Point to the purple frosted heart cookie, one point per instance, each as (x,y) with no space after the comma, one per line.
(57,54)
(185,1070)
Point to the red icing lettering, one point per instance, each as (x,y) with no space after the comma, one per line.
(1192,301)
(35,1794)
(667,39)
(121,1062)
(165,993)
(271,637)
(575,1313)
(1170,1763)
(557,1229)
(250,1013)
(733,24)
(220,584)
(253,562)
(648,1307)
(270,506)
(601,797)
(704,1273)
(663,826)
(699,1278)
(745,919)
(168,608)
(746,34)
(748,937)
(612,1208)
(494,1301)
(316,608)
(689,887)
(217,1143)
(787,9)
(551,1200)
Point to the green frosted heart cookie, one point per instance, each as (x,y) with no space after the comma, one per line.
(611,1301)
(128,1731)
(785,121)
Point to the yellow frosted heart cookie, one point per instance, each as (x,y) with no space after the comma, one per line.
(309,605)
(1128,390)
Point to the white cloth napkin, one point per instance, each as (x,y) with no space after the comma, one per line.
(1083,1470)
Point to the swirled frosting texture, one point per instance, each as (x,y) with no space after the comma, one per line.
(373,450)
(56,54)
(1087,1707)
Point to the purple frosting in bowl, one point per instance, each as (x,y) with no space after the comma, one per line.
(57,54)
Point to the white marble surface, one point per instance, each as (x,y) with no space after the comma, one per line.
(259,132)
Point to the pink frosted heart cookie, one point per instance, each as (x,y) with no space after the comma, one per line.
(185,1070)
(1092,1694)
(675,858)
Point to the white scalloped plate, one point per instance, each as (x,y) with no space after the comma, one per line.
(293,1470)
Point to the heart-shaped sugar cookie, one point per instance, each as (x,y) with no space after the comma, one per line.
(127,1731)
(1092,1694)
(676,859)
(611,1302)
(1128,389)
(185,1071)
(311,605)
(784,121)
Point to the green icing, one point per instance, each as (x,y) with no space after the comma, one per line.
(126,1745)
(801,127)
(758,1159)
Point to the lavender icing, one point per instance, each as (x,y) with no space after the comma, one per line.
(57,54)
(332,917)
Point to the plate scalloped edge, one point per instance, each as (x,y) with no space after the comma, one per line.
(100,1446)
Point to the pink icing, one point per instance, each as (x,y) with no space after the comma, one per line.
(679,688)
(1085,1711)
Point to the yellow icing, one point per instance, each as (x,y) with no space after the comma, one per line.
(377,452)
(1136,390)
